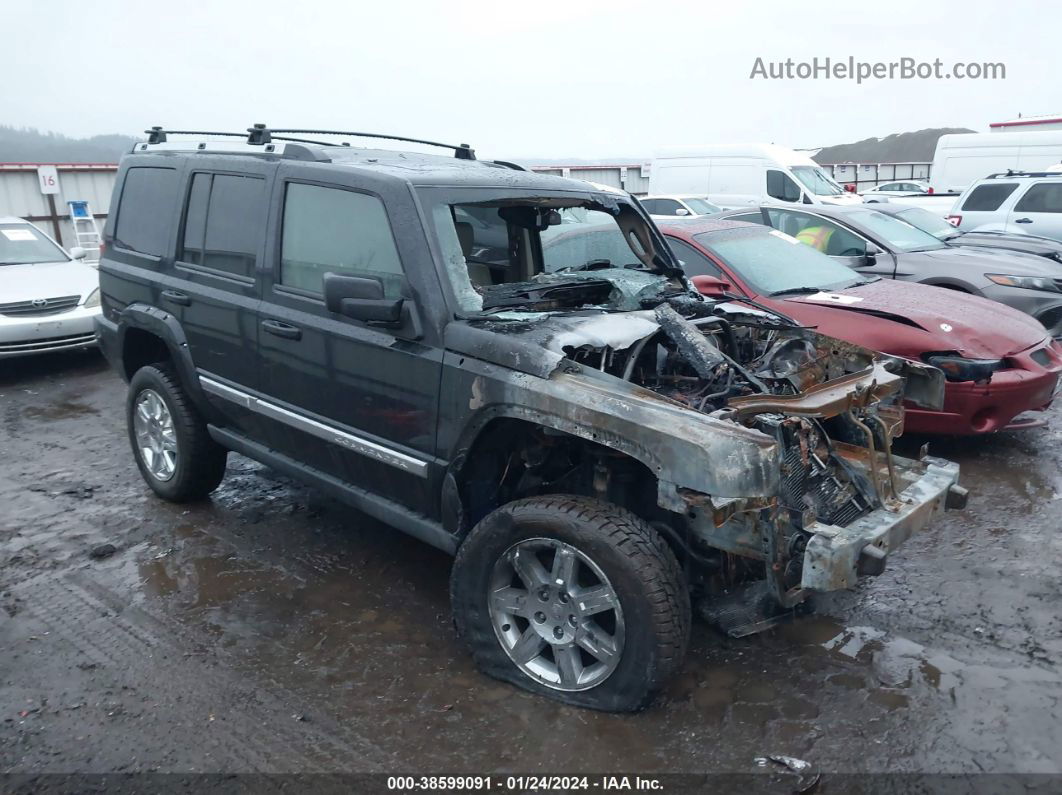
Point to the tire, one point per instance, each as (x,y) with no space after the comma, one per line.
(612,547)
(197,462)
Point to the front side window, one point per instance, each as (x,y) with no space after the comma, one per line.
(988,197)
(693,261)
(822,235)
(1044,197)
(330,230)
(666,207)
(781,187)
(224,223)
(146,210)
(773,262)
(22,244)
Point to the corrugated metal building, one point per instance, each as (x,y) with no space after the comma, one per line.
(631,177)
(21,196)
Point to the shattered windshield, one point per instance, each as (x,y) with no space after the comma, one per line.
(549,253)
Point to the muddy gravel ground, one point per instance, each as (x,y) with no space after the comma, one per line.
(273,629)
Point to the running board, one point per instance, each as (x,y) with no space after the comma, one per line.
(384,510)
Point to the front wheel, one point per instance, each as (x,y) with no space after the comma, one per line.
(573,598)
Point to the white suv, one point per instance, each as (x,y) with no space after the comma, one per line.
(48,299)
(1014,201)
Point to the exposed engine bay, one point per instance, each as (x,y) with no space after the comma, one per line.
(800,388)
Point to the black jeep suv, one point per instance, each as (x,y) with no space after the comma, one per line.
(513,368)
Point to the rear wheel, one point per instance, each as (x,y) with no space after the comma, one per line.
(175,454)
(573,598)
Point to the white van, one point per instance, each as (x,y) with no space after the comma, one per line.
(738,175)
(963,158)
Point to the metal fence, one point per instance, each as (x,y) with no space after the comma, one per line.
(21,194)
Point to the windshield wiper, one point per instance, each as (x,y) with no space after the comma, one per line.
(796,291)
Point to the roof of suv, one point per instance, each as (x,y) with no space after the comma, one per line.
(414,168)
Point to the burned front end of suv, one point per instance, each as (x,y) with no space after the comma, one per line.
(759,449)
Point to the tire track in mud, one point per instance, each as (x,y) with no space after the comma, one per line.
(147,652)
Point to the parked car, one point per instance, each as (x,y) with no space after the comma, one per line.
(998,362)
(48,298)
(1022,202)
(739,175)
(678,206)
(872,242)
(589,436)
(892,190)
(947,233)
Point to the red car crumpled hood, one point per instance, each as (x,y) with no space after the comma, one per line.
(919,318)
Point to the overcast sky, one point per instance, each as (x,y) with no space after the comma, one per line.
(521,79)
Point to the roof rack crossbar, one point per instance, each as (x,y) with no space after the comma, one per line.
(461,151)
(157,135)
(1013,173)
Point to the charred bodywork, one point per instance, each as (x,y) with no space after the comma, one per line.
(768,445)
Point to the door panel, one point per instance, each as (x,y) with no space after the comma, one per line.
(216,292)
(362,399)
(1038,211)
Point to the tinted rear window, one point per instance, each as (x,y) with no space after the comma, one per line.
(988,197)
(146,210)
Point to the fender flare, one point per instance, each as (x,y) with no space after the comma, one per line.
(167,328)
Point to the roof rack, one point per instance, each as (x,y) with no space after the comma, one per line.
(259,135)
(1012,173)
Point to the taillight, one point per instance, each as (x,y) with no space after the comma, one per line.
(954,220)
(930,190)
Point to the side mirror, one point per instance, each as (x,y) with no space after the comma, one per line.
(77,252)
(870,256)
(711,286)
(361,298)
(682,211)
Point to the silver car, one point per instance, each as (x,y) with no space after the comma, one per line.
(48,299)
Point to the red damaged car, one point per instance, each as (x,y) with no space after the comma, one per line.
(999,362)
